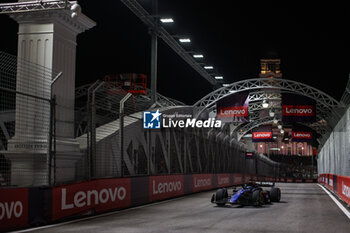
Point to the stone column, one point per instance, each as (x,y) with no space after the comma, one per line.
(46,46)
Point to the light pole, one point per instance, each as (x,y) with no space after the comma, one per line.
(154,53)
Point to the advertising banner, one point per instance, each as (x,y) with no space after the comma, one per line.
(247,178)
(101,195)
(301,133)
(223,180)
(202,182)
(237,178)
(163,187)
(233,108)
(343,186)
(296,108)
(249,155)
(13,208)
(262,134)
(330,182)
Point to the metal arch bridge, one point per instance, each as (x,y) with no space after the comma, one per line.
(329,110)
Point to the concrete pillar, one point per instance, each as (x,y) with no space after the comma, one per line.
(46,39)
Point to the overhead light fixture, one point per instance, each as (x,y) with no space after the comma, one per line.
(274,137)
(272,113)
(282,147)
(219,77)
(166,20)
(198,56)
(275,121)
(279,126)
(225,85)
(185,40)
(282,131)
(208,67)
(265,104)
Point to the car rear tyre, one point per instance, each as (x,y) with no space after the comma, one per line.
(221,194)
(275,194)
(258,198)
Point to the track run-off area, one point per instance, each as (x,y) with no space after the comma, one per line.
(303,208)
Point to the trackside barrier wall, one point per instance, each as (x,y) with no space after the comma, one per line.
(25,207)
(340,185)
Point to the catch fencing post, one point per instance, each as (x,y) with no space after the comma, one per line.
(121,129)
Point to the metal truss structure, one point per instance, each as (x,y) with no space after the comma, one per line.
(328,109)
(150,22)
(31,6)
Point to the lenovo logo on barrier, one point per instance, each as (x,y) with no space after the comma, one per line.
(345,190)
(162,187)
(300,110)
(302,135)
(92,197)
(100,195)
(166,187)
(262,135)
(198,183)
(331,182)
(202,182)
(223,180)
(233,111)
(13,208)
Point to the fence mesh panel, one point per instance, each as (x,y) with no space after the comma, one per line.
(25,122)
(334,157)
(109,131)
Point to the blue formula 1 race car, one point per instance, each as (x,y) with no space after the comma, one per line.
(250,194)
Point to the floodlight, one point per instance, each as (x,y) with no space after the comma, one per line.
(166,20)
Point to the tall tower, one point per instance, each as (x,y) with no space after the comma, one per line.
(270,66)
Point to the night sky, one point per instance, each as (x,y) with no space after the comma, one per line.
(312,41)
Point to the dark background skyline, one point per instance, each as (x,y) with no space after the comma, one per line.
(312,42)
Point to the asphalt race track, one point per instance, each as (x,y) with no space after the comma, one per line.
(303,208)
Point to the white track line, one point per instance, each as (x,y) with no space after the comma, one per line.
(345,211)
(96,216)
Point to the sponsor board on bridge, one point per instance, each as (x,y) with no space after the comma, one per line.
(223,180)
(239,111)
(13,208)
(302,135)
(298,110)
(202,182)
(163,187)
(262,134)
(233,108)
(100,195)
